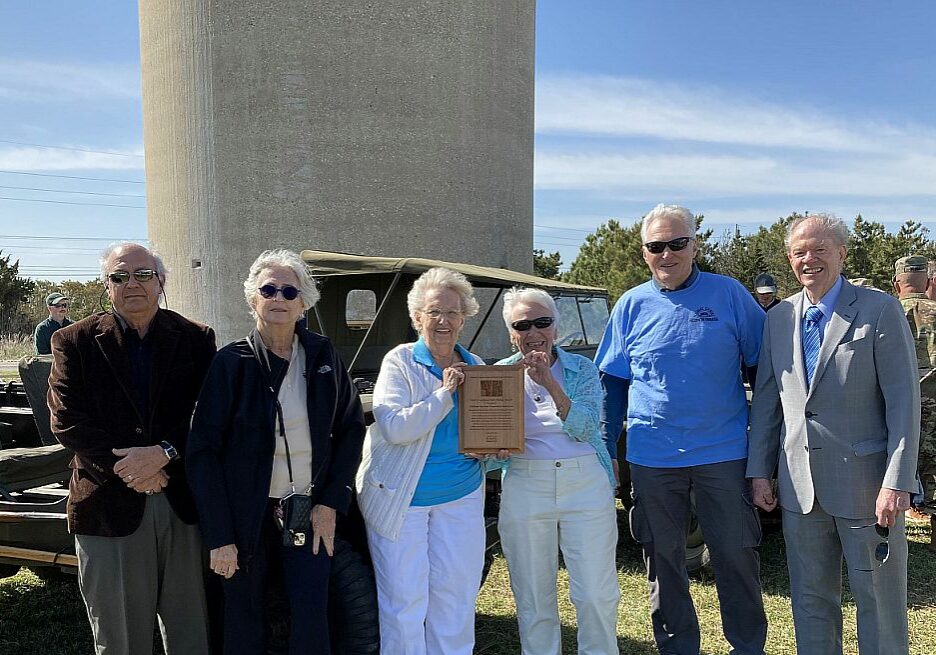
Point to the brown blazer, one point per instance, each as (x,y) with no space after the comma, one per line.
(91,399)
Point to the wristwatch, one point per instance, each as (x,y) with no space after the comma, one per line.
(171,453)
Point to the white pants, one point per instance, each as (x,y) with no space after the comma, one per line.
(428,579)
(561,503)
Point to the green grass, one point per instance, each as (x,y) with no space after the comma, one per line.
(13,347)
(47,617)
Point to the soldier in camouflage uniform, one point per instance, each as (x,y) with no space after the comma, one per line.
(911,281)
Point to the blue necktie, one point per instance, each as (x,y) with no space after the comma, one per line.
(812,340)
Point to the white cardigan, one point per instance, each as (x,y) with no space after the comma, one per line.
(409,403)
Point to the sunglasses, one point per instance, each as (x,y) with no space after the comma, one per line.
(656,247)
(63,305)
(538,323)
(269,291)
(882,550)
(140,275)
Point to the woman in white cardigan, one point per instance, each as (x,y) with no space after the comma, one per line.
(422,501)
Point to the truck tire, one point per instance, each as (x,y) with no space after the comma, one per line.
(352,604)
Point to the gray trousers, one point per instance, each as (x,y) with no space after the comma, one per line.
(126,582)
(815,545)
(660,522)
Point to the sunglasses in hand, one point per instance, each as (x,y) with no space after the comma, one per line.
(882,550)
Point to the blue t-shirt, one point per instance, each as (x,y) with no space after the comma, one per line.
(682,352)
(448,475)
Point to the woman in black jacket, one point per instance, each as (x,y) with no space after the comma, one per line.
(278,414)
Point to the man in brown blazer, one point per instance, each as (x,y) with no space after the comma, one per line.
(121,393)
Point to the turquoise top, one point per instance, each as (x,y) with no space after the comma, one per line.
(447,475)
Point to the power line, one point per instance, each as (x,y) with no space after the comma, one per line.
(48,249)
(84,193)
(99,152)
(65,202)
(57,238)
(567,229)
(73,177)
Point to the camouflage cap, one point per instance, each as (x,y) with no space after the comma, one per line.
(911,264)
(764,283)
(864,282)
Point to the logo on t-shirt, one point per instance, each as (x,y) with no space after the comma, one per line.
(704,314)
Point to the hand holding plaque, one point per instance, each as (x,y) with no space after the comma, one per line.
(490,409)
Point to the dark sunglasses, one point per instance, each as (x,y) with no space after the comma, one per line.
(63,305)
(882,550)
(656,247)
(140,275)
(538,323)
(269,291)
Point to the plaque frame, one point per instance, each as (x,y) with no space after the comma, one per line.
(494,383)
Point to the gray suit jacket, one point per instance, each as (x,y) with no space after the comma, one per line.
(857,427)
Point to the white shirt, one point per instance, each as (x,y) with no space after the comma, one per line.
(292,398)
(545,438)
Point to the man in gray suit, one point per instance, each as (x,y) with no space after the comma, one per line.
(836,415)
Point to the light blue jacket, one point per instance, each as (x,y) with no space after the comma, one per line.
(582,386)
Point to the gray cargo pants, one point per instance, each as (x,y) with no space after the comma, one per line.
(660,520)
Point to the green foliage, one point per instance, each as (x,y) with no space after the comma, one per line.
(84,298)
(546,265)
(13,292)
(611,257)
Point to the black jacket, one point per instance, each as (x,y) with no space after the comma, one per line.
(231,445)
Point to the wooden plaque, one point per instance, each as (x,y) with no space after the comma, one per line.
(490,409)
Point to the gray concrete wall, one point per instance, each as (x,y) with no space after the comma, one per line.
(401,127)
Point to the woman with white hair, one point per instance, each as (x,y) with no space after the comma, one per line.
(278,419)
(558,494)
(421,499)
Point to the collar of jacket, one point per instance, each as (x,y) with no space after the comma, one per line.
(311,343)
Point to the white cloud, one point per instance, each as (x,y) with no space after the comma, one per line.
(46,159)
(628,107)
(710,175)
(32,81)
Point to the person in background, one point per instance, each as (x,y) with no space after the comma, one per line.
(277,414)
(57,305)
(558,494)
(121,393)
(670,359)
(765,290)
(421,499)
(835,417)
(911,281)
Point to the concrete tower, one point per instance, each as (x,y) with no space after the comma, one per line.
(399,127)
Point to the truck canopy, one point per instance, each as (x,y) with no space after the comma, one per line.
(323,263)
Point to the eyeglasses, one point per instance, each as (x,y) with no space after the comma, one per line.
(140,275)
(436,314)
(882,550)
(63,305)
(656,247)
(539,323)
(269,291)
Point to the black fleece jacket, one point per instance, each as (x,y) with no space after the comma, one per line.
(230,448)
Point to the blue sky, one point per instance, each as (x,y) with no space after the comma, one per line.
(744,111)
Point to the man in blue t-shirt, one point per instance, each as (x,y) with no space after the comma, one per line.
(670,360)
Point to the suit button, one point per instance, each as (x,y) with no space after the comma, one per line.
(140,430)
(810,414)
